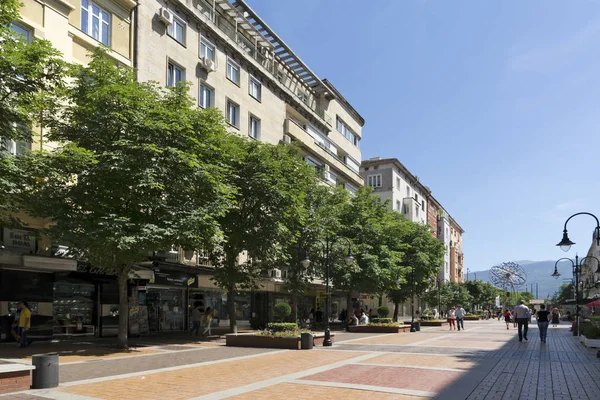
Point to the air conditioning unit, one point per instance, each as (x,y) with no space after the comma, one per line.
(275,273)
(208,64)
(287,139)
(165,16)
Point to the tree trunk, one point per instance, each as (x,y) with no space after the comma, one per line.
(295,300)
(231,308)
(380,300)
(123,309)
(396,307)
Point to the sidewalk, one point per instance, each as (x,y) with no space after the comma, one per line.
(484,362)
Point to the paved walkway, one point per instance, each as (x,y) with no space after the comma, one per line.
(484,362)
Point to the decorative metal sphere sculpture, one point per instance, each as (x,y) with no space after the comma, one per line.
(508,275)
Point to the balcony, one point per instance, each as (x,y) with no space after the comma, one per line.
(269,52)
(296,131)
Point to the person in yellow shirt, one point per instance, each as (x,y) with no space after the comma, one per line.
(24,323)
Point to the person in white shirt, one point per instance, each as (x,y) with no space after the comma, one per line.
(460,315)
(522,316)
(364,319)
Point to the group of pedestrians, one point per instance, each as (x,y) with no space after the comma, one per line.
(522,316)
(456,317)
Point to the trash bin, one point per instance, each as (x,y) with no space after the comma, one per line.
(306,341)
(45,374)
(417,326)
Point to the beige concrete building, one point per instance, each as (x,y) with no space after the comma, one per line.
(456,253)
(233,61)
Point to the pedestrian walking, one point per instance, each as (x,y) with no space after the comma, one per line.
(507,318)
(15,327)
(522,317)
(452,318)
(460,317)
(542,321)
(24,323)
(196,320)
(555,317)
(208,317)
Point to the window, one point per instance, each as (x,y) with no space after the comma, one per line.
(374,180)
(233,72)
(404,209)
(20,30)
(423,204)
(177,30)
(398,182)
(233,114)
(313,162)
(350,188)
(95,21)
(347,132)
(398,205)
(207,49)
(254,128)
(408,191)
(255,88)
(417,211)
(174,74)
(350,162)
(206,96)
(417,197)
(14,147)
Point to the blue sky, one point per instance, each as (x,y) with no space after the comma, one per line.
(495,105)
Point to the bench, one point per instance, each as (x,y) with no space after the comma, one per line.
(14,377)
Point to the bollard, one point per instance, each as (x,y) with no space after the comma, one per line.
(306,341)
(45,374)
(417,326)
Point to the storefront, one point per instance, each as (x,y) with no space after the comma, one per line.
(207,294)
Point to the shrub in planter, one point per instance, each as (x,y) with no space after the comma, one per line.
(282,311)
(383,312)
(282,326)
(380,321)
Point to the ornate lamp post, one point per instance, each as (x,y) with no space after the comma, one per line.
(327,248)
(577,267)
(566,243)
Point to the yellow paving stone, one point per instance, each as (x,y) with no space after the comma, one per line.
(196,381)
(400,339)
(306,392)
(457,362)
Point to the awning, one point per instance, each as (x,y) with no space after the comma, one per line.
(141,273)
(49,263)
(595,303)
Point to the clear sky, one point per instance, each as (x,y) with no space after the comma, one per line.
(495,105)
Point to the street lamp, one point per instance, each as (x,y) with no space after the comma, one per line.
(577,267)
(566,243)
(327,250)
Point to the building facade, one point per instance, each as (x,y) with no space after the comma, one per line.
(456,253)
(590,277)
(233,61)
(392,181)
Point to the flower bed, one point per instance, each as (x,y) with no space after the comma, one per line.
(261,340)
(593,343)
(380,328)
(434,322)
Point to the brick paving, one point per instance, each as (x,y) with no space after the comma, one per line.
(484,362)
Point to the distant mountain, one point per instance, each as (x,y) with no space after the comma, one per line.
(538,272)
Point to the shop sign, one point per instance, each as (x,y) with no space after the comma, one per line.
(19,241)
(170,278)
(90,269)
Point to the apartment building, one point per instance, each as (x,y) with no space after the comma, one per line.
(392,181)
(439,220)
(590,274)
(235,62)
(456,253)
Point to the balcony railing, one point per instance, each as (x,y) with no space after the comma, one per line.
(258,55)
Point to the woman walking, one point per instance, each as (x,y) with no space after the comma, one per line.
(507,316)
(555,317)
(452,318)
(542,321)
(208,317)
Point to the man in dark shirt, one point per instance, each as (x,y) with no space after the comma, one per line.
(542,321)
(319,315)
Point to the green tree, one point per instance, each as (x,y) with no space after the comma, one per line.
(565,292)
(376,234)
(31,78)
(451,293)
(323,205)
(270,183)
(139,171)
(483,293)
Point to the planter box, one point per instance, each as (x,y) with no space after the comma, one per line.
(593,343)
(268,342)
(472,318)
(380,329)
(429,323)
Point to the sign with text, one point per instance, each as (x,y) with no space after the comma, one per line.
(171,278)
(18,241)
